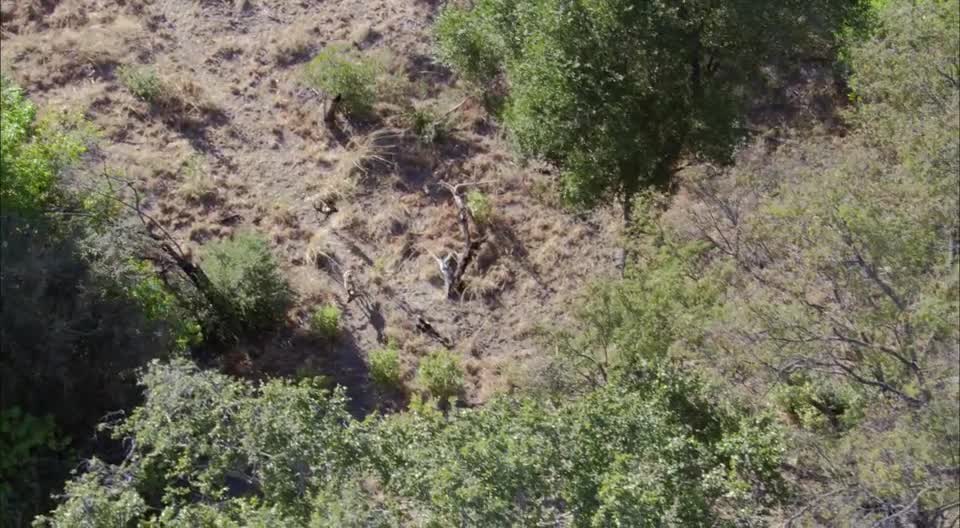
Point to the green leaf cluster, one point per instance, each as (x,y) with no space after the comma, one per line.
(338,71)
(208,448)
(245,273)
(614,92)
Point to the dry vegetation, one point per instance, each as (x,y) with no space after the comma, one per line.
(231,139)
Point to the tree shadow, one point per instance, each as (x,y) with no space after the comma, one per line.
(417,164)
(515,248)
(295,352)
(420,65)
(196,130)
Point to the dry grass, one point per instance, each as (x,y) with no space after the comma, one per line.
(294,44)
(357,165)
(210,60)
(184,99)
(367,152)
(489,285)
(390,222)
(176,97)
(198,185)
(320,253)
(282,214)
(68,54)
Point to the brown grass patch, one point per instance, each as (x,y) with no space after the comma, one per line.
(294,44)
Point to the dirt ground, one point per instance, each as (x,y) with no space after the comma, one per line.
(248,150)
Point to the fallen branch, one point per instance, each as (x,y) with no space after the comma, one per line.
(424,326)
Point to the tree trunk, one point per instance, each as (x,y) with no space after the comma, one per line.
(628,195)
(330,115)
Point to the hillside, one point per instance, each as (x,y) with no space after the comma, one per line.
(479,263)
(257,156)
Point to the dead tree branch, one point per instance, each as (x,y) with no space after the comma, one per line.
(222,322)
(453,266)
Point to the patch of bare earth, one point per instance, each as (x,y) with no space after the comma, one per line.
(245,148)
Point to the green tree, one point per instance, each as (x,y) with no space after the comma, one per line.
(340,72)
(35,153)
(616,92)
(840,259)
(75,316)
(290,454)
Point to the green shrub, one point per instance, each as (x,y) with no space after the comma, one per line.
(158,303)
(469,43)
(33,152)
(142,81)
(385,368)
(427,125)
(440,375)
(338,71)
(480,207)
(198,185)
(325,321)
(245,273)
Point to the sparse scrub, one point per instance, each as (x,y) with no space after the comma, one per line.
(197,184)
(378,271)
(142,81)
(245,272)
(441,375)
(427,125)
(337,70)
(385,368)
(363,155)
(325,321)
(293,45)
(487,286)
(178,98)
(283,214)
(481,209)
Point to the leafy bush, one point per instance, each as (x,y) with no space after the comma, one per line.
(34,153)
(385,368)
(245,273)
(336,70)
(25,441)
(440,375)
(470,43)
(325,321)
(427,125)
(158,303)
(142,81)
(480,207)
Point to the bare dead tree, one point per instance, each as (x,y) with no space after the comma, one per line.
(453,265)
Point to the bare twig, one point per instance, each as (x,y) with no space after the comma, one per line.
(454,108)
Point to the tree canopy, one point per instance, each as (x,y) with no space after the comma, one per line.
(617,93)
